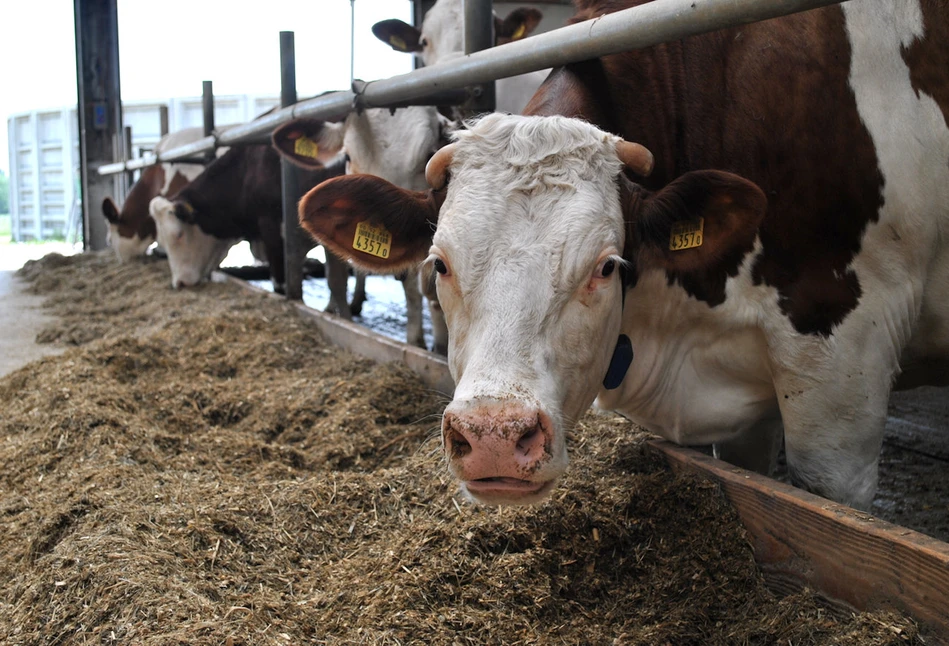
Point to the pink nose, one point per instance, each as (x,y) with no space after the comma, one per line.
(498,446)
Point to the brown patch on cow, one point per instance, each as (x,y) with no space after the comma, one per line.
(770,102)
(331,212)
(928,57)
(178,182)
(134,220)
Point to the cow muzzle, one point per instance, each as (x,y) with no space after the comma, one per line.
(502,453)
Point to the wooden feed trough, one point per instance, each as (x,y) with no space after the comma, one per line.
(851,558)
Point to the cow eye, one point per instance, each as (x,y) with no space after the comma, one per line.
(606,268)
(423,42)
(440,266)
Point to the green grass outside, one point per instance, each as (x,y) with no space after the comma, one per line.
(5,227)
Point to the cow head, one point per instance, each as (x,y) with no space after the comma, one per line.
(395,145)
(129,240)
(528,240)
(442,33)
(192,254)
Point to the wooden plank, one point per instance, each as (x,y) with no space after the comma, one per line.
(847,555)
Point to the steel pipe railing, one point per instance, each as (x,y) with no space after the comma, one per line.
(635,28)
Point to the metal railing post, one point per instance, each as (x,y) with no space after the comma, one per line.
(295,241)
(479,35)
(207,107)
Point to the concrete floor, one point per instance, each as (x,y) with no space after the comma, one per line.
(20,319)
(20,315)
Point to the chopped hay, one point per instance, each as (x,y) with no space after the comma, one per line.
(202,468)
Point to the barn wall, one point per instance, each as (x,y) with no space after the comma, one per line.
(44,155)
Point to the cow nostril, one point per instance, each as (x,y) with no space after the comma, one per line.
(458,445)
(531,439)
(179,284)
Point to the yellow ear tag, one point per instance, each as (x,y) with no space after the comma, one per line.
(374,240)
(306,147)
(397,43)
(687,234)
(519,32)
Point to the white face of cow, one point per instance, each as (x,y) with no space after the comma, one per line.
(192,254)
(394,146)
(443,36)
(127,249)
(528,248)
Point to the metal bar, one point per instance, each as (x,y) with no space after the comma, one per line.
(479,35)
(207,110)
(352,41)
(207,107)
(295,239)
(127,156)
(635,28)
(163,120)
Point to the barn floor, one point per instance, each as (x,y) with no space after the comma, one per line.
(20,319)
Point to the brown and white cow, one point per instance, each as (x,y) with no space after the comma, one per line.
(131,230)
(785,261)
(238,197)
(395,146)
(442,38)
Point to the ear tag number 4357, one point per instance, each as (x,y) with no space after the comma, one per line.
(374,240)
(687,234)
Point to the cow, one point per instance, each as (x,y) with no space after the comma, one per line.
(131,230)
(393,145)
(441,39)
(237,198)
(723,238)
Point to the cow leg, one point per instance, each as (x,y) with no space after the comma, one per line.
(272,241)
(337,278)
(413,309)
(359,294)
(755,448)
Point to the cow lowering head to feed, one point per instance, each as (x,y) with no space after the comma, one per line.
(789,290)
(131,230)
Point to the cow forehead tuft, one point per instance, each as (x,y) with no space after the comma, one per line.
(517,153)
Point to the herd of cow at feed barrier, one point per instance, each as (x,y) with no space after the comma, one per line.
(735,239)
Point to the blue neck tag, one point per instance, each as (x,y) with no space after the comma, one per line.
(619,364)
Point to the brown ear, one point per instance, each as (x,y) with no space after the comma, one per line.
(398,35)
(110,210)
(375,224)
(308,143)
(692,223)
(518,24)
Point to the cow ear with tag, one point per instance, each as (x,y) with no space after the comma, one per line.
(693,222)
(398,35)
(110,210)
(378,226)
(517,25)
(309,143)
